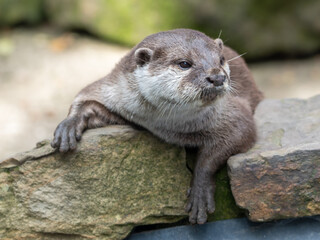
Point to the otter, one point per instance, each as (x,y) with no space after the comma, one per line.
(187,89)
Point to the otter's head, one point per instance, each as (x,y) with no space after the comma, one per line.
(181,67)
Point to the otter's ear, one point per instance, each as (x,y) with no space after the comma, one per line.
(219,42)
(143,56)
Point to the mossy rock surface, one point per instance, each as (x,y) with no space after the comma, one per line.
(118,178)
(259,28)
(126,21)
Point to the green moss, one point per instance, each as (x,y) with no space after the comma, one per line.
(7,198)
(292,29)
(9,170)
(226,207)
(17,11)
(128,22)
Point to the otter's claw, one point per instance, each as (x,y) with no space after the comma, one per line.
(65,136)
(200,202)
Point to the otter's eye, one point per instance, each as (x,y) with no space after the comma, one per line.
(185,65)
(222,60)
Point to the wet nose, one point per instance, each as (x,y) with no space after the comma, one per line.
(217,80)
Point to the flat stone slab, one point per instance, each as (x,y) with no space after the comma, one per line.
(117,178)
(239,229)
(280,176)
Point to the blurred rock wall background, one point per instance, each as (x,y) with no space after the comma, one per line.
(263,29)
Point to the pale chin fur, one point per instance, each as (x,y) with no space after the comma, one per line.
(165,86)
(164,91)
(157,88)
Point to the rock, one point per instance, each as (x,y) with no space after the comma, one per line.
(237,229)
(20,11)
(293,28)
(117,179)
(280,176)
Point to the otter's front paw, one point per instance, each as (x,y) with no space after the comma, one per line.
(200,202)
(66,135)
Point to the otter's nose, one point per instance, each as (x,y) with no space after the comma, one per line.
(217,80)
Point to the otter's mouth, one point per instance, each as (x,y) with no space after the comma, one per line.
(209,94)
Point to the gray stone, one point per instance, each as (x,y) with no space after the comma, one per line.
(117,178)
(280,176)
(239,229)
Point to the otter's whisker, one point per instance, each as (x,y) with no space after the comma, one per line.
(233,87)
(236,57)
(224,41)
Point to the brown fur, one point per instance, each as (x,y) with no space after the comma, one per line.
(217,122)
